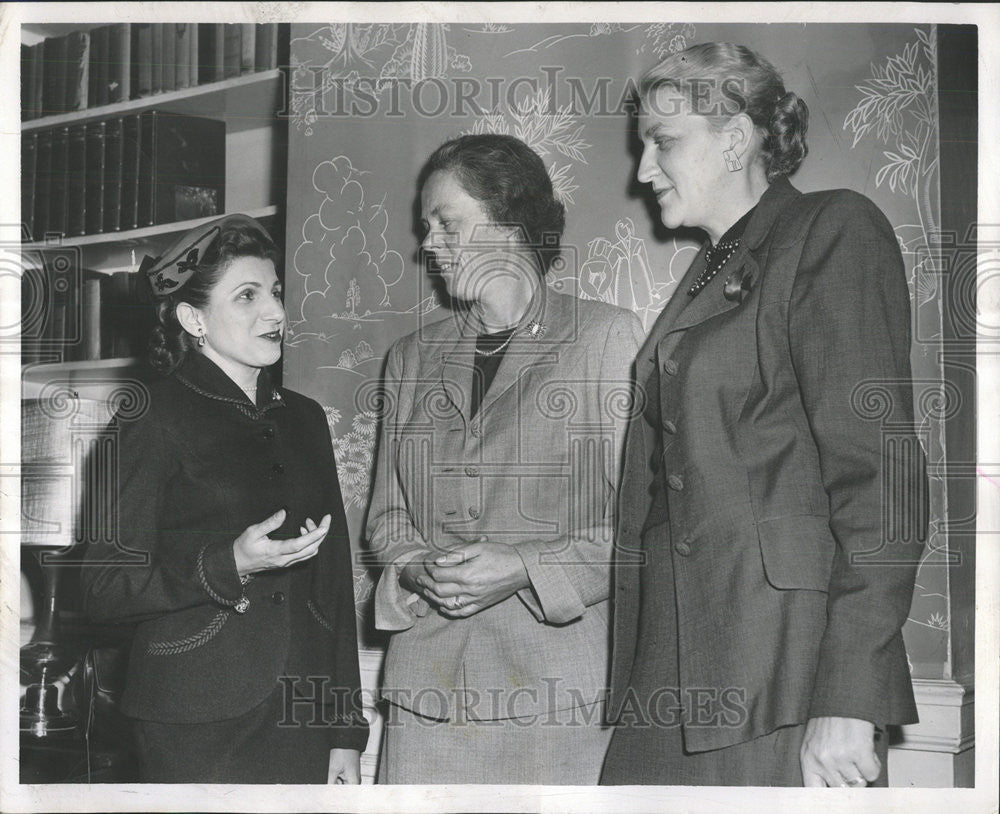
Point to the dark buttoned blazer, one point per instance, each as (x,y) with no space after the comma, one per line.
(769,426)
(537,468)
(197,465)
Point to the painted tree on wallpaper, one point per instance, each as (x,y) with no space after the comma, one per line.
(898,107)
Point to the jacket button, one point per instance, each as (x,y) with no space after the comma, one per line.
(670,427)
(670,367)
(472,471)
(675,483)
(476,430)
(278,469)
(473,513)
(277,597)
(683,549)
(268,433)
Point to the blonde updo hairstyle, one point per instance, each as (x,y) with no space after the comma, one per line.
(721,80)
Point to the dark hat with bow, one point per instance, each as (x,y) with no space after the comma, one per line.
(168,272)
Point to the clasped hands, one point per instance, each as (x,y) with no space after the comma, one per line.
(466,579)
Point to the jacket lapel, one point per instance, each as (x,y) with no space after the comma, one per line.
(457,364)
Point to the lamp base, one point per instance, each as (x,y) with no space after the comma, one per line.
(40,713)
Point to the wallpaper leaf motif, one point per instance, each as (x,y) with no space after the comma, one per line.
(899,102)
(543,131)
(899,107)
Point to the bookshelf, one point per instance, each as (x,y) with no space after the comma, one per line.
(255,149)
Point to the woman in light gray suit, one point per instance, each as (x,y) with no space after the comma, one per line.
(495,488)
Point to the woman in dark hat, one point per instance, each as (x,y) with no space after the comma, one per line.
(758,609)
(232,553)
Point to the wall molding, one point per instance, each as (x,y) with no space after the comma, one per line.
(939,751)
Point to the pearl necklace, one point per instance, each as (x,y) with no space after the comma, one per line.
(495,351)
(715,264)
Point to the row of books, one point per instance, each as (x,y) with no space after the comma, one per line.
(98,316)
(115,63)
(122,173)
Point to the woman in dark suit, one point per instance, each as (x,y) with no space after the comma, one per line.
(244,664)
(758,603)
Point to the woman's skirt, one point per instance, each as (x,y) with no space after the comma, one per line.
(259,746)
(564,747)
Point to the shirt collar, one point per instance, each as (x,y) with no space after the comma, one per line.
(203,376)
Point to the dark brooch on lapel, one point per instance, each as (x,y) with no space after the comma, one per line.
(740,282)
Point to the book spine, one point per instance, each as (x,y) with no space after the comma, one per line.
(130,172)
(168,56)
(156,56)
(193,56)
(38,88)
(54,92)
(182,55)
(43,184)
(58,197)
(77,175)
(248,48)
(97,95)
(146,186)
(266,52)
(113,175)
(29,154)
(142,57)
(95,177)
(120,63)
(232,50)
(77,70)
(90,347)
(27,83)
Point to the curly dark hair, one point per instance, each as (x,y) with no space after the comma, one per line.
(169,343)
(736,80)
(511,182)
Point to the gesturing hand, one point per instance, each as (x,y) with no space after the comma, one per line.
(472,577)
(839,752)
(255,551)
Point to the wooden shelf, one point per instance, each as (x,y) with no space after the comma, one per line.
(139,235)
(55,368)
(245,102)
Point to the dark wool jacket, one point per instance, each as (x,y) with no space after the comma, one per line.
(780,420)
(197,465)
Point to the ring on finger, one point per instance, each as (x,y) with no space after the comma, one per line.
(456,602)
(857,782)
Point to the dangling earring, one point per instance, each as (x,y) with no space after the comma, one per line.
(201,339)
(732,160)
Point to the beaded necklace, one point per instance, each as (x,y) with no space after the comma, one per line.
(718,255)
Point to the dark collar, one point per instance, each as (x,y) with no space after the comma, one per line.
(205,377)
(775,198)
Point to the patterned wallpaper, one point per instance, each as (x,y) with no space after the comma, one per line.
(370,102)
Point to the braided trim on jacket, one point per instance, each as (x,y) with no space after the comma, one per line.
(203,579)
(190,642)
(248,411)
(319,616)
